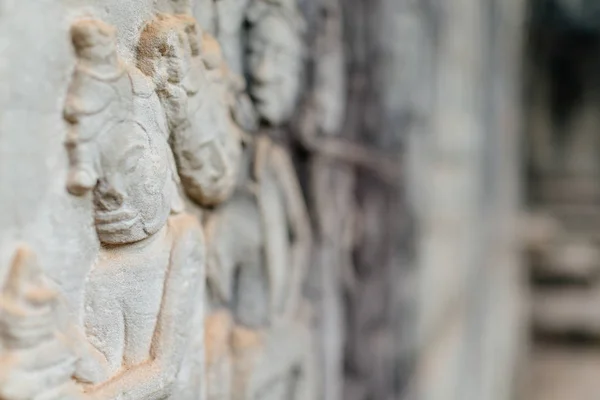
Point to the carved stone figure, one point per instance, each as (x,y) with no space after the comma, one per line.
(200,95)
(259,240)
(193,85)
(275,57)
(37,360)
(143,299)
(259,244)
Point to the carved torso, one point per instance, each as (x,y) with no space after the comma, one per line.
(123,299)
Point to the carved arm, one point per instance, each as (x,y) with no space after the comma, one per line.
(299,226)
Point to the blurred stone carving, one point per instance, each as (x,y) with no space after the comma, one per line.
(200,95)
(38,359)
(275,58)
(259,244)
(230,16)
(330,187)
(193,84)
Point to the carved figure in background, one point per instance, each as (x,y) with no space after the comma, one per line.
(259,245)
(330,190)
(259,241)
(143,298)
(37,359)
(192,83)
(275,58)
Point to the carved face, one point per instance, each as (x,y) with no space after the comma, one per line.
(211,125)
(274,65)
(132,197)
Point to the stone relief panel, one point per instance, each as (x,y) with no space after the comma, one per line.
(259,240)
(259,244)
(193,84)
(165,145)
(330,189)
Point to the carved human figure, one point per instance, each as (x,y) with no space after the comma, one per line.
(259,244)
(193,85)
(143,297)
(200,95)
(274,58)
(259,241)
(37,360)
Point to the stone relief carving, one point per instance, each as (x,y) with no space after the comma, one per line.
(193,84)
(201,107)
(37,359)
(138,132)
(143,297)
(255,270)
(259,241)
(275,55)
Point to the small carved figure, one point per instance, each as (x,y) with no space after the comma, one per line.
(37,361)
(143,298)
(275,58)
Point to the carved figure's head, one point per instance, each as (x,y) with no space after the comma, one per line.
(212,55)
(166,50)
(27,304)
(133,195)
(208,175)
(125,164)
(275,58)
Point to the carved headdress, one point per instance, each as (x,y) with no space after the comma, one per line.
(165,38)
(97,97)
